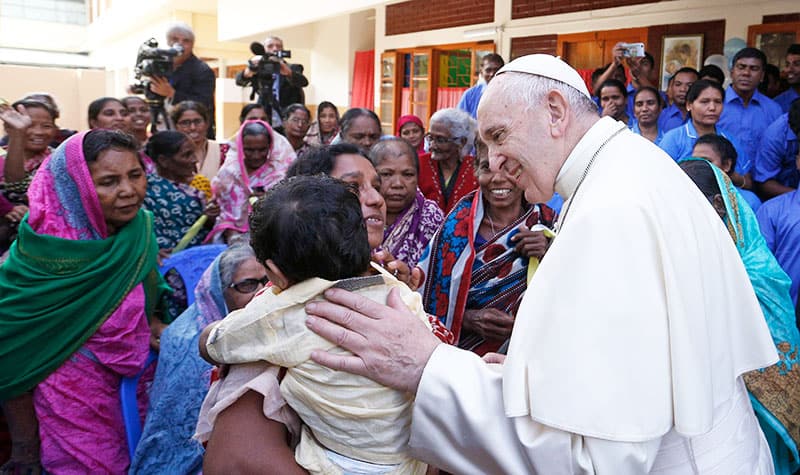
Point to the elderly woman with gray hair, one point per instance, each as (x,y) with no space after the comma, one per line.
(182,377)
(447,173)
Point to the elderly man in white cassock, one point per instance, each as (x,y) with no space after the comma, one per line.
(629,346)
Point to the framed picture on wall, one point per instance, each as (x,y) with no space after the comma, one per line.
(678,52)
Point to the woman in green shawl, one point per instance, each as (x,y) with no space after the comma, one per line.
(75,296)
(774,391)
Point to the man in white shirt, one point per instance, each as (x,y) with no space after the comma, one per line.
(629,345)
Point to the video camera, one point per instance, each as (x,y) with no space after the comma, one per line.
(265,69)
(265,66)
(153,61)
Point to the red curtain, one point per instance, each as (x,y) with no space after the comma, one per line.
(405,101)
(364,80)
(586,75)
(447,97)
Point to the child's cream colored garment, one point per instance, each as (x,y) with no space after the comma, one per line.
(348,414)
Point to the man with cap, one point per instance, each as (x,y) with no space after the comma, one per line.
(630,344)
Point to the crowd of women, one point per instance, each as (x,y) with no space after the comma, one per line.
(87,218)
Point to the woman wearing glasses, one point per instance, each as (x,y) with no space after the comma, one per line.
(296,121)
(446,173)
(192,118)
(182,378)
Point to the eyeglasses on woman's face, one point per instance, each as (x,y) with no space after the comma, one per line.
(298,121)
(440,140)
(248,286)
(186,123)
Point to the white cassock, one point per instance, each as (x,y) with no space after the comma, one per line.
(629,346)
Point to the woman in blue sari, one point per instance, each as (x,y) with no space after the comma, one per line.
(774,391)
(182,377)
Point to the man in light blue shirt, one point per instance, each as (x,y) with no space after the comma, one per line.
(747,113)
(490,64)
(786,98)
(676,114)
(775,171)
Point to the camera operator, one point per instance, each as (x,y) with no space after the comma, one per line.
(287,85)
(191,78)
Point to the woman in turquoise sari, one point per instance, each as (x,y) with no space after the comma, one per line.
(774,391)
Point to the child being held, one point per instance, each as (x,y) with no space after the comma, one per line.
(310,235)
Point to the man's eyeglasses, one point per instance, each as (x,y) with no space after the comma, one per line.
(190,122)
(248,286)
(439,139)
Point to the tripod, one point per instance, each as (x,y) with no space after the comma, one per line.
(263,83)
(157,111)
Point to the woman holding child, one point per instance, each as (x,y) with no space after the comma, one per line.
(476,267)
(248,410)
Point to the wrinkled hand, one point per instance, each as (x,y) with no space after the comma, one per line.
(156,329)
(489,323)
(530,243)
(162,87)
(212,209)
(16,213)
(401,271)
(16,121)
(390,345)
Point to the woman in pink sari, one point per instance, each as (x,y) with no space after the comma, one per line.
(262,159)
(86,253)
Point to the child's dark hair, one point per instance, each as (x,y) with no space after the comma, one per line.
(311,226)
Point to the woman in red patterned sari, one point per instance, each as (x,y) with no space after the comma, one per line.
(447,174)
(476,266)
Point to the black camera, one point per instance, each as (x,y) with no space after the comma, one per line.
(266,67)
(153,61)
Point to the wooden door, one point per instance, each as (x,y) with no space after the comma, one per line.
(589,51)
(774,39)
(389,92)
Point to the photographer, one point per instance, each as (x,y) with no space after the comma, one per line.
(191,78)
(287,85)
